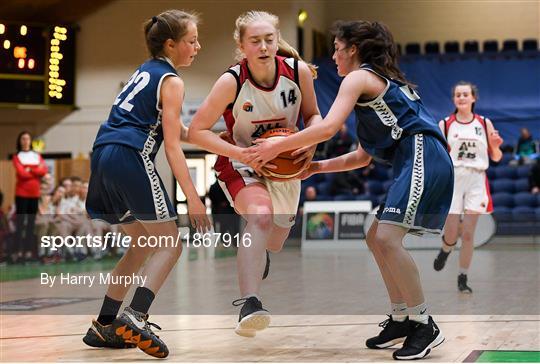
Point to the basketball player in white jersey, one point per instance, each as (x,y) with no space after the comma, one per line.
(472,140)
(270,87)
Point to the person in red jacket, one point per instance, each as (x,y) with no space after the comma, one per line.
(30,167)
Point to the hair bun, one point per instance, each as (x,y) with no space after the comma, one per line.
(154,19)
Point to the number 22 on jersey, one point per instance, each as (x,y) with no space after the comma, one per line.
(140,80)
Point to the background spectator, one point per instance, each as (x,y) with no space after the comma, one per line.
(311,193)
(526,149)
(71,215)
(29,167)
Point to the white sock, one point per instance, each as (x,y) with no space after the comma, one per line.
(418,313)
(399,311)
(463,270)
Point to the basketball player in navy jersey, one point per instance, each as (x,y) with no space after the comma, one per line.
(392,126)
(126,189)
(270,87)
(472,141)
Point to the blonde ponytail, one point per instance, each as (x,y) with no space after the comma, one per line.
(286,50)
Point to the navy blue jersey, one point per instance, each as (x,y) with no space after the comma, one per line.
(396,113)
(135,117)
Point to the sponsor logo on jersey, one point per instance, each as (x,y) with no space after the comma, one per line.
(247,107)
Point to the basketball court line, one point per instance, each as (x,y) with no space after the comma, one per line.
(275,326)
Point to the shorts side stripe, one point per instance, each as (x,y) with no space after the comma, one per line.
(417,181)
(229,177)
(160,205)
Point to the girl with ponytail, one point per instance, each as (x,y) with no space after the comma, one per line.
(270,87)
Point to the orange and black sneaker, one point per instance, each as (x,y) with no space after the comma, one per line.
(103,336)
(133,327)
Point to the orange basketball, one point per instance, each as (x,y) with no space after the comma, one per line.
(286,169)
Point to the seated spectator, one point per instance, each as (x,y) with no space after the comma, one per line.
(47,221)
(347,183)
(72,217)
(66,183)
(311,194)
(526,149)
(534,177)
(48,180)
(95,227)
(44,221)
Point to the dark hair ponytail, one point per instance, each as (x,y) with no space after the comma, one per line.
(171,24)
(375,46)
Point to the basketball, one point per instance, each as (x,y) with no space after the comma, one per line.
(286,169)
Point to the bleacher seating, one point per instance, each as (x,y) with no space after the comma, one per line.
(491,46)
(451,47)
(502,185)
(412,48)
(471,46)
(530,45)
(510,45)
(432,48)
(516,210)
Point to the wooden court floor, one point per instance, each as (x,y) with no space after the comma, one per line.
(324,307)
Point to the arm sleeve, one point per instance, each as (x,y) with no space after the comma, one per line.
(20,169)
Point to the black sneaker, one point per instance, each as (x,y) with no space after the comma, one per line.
(394,332)
(440,261)
(133,327)
(422,338)
(267,267)
(462,284)
(253,317)
(103,336)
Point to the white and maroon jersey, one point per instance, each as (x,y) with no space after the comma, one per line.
(257,109)
(467,142)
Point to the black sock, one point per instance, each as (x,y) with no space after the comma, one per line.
(109,310)
(142,299)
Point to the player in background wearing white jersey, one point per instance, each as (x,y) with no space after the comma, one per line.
(472,140)
(265,90)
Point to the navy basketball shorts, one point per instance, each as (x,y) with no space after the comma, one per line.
(421,195)
(124,187)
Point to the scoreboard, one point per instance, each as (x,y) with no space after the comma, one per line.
(37,64)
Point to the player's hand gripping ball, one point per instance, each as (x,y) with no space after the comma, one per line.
(286,169)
